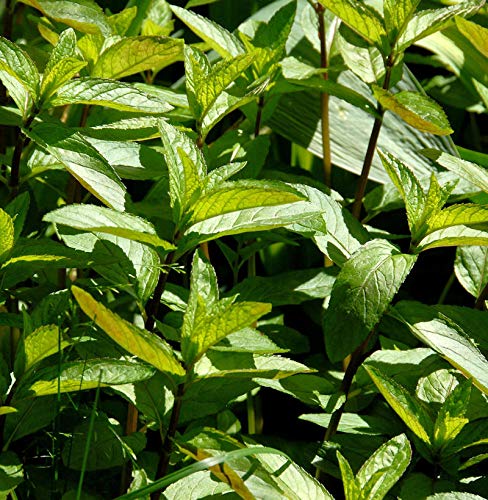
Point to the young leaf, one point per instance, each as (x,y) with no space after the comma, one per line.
(6,233)
(186,167)
(207,319)
(384,468)
(219,39)
(397,16)
(408,408)
(475,174)
(133,55)
(62,65)
(416,109)
(352,490)
(141,343)
(475,33)
(82,161)
(83,375)
(82,15)
(105,220)
(108,93)
(361,18)
(409,187)
(205,84)
(426,22)
(471,268)
(467,214)
(362,292)
(19,74)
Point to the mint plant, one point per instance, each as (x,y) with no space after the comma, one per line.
(243,251)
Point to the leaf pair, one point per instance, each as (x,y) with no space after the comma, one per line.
(379,473)
(430,225)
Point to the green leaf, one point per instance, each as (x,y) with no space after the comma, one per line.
(241,221)
(471,268)
(468,214)
(62,65)
(133,55)
(105,220)
(352,423)
(111,94)
(293,481)
(132,266)
(384,468)
(205,83)
(451,417)
(141,343)
(475,33)
(447,336)
(207,319)
(19,74)
(410,190)
(41,343)
(453,236)
(82,161)
(362,292)
(351,486)
(7,233)
(361,18)
(241,195)
(186,167)
(83,375)
(408,408)
(425,22)
(416,109)
(83,15)
(334,230)
(219,39)
(397,16)
(11,473)
(121,22)
(475,174)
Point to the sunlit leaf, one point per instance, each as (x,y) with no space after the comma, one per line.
(141,343)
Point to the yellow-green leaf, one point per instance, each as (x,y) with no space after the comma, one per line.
(132,55)
(361,18)
(141,343)
(6,233)
(416,109)
(475,33)
(408,408)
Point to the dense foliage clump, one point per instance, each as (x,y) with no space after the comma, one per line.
(243,250)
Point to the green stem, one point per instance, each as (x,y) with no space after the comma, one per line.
(446,288)
(357,358)
(168,439)
(22,141)
(373,141)
(86,452)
